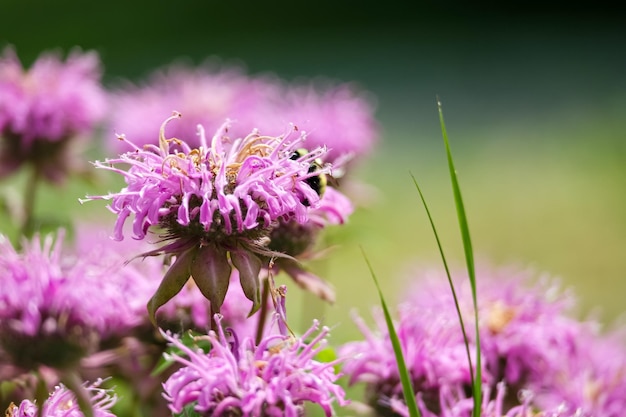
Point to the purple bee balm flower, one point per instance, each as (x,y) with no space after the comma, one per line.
(339,117)
(236,377)
(434,354)
(528,340)
(593,380)
(56,306)
(62,403)
(206,95)
(216,205)
(44,110)
(527,329)
(455,403)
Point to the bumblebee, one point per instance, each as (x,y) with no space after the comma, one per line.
(317,182)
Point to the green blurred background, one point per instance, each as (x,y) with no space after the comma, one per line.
(534,105)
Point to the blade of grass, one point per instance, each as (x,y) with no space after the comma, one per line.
(469,259)
(407,386)
(445,265)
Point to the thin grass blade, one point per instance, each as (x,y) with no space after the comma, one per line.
(469,260)
(445,265)
(407,385)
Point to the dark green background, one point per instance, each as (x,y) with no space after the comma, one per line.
(534,102)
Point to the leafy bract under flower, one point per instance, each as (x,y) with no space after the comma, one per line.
(275,378)
(215,205)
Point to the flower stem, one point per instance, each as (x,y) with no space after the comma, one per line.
(30,191)
(263,312)
(73,382)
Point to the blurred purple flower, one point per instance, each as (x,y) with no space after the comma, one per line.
(62,403)
(455,403)
(275,378)
(215,205)
(434,353)
(44,110)
(55,305)
(337,116)
(528,341)
(594,379)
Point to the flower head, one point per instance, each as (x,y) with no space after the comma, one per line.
(594,379)
(337,116)
(455,403)
(62,403)
(216,205)
(44,109)
(275,378)
(528,341)
(55,305)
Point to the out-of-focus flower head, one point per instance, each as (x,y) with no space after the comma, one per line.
(434,353)
(339,116)
(215,205)
(529,340)
(56,306)
(45,109)
(62,403)
(593,380)
(455,403)
(237,377)
(528,329)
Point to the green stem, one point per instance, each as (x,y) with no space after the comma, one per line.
(30,191)
(41,392)
(263,312)
(74,383)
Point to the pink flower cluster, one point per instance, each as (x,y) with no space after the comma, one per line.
(226,187)
(62,403)
(529,341)
(337,116)
(274,378)
(45,108)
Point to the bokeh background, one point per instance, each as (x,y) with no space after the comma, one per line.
(534,103)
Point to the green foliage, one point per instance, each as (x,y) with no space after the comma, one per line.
(469,259)
(188,411)
(445,265)
(190,339)
(405,377)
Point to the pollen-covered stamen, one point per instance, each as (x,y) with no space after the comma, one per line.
(251,146)
(163,142)
(499,316)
